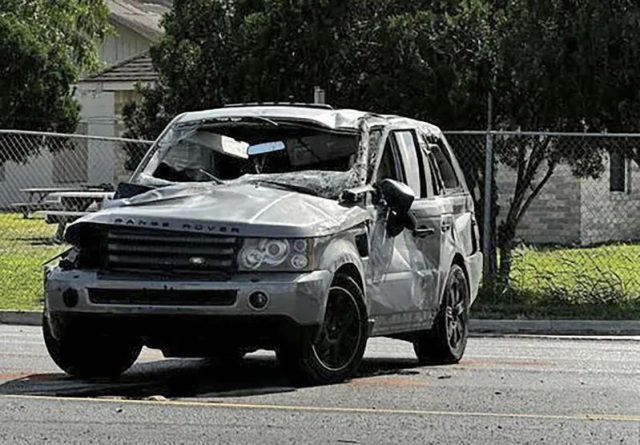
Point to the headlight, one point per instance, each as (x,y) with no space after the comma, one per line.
(275,254)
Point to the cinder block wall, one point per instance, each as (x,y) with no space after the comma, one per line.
(554,216)
(610,216)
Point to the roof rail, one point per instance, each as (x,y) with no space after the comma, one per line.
(280,104)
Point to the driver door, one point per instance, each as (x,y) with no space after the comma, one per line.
(402,279)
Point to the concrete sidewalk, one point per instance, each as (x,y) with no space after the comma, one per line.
(531,327)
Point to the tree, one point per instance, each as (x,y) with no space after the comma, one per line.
(44,46)
(425,58)
(563,65)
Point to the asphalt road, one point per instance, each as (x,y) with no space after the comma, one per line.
(506,390)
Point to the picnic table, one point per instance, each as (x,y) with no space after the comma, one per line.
(73,205)
(62,205)
(39,198)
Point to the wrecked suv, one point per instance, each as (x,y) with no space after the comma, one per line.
(301,229)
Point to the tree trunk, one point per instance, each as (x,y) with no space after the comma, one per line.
(507,232)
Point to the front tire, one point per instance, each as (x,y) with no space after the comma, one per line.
(83,354)
(336,353)
(446,341)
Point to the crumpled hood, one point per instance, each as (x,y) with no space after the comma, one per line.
(242,209)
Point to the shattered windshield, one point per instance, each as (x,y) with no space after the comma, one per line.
(300,157)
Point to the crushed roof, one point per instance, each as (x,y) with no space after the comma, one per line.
(344,119)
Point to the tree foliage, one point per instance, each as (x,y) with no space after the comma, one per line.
(563,65)
(44,46)
(426,59)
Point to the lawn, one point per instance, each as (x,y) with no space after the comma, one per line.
(599,282)
(25,244)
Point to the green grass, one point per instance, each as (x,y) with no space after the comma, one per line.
(25,244)
(593,283)
(590,283)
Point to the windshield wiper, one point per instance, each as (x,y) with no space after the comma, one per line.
(295,188)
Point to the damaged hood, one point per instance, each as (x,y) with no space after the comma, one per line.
(238,208)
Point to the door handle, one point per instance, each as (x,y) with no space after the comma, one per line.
(423,232)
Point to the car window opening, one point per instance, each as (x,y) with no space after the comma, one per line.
(207,153)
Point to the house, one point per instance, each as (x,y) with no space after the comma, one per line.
(101,96)
(125,55)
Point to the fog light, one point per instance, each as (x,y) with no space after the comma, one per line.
(70,297)
(258,300)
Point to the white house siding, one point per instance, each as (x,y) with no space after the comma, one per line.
(99,160)
(97,114)
(36,173)
(122,45)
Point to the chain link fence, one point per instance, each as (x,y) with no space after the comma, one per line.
(46,181)
(559,216)
(563,229)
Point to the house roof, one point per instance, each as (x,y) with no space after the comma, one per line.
(141,16)
(135,69)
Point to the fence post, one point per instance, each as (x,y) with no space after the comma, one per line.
(487,223)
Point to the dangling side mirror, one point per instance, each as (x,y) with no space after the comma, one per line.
(399,197)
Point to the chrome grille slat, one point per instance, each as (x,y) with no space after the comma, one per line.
(142,249)
(230,241)
(178,253)
(168,260)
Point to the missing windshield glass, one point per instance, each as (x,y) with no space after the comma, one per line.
(226,150)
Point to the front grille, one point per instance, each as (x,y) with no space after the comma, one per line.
(163,297)
(170,253)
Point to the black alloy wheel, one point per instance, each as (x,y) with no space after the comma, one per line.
(446,341)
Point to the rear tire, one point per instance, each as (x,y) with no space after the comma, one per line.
(337,351)
(446,341)
(84,354)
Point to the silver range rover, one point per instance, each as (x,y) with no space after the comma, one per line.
(301,229)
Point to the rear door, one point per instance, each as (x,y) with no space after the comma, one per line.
(431,219)
(456,219)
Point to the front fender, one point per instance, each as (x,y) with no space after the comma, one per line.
(340,251)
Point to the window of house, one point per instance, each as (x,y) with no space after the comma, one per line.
(617,172)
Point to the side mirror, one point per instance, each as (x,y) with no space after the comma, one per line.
(399,196)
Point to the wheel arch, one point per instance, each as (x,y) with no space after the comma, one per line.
(458,260)
(352,271)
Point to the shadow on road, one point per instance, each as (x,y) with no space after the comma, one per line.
(193,378)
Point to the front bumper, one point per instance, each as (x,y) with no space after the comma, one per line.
(300,298)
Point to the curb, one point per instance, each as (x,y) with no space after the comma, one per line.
(556,327)
(24,318)
(476,326)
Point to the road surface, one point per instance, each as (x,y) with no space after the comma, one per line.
(506,390)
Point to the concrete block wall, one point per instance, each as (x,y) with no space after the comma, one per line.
(610,216)
(554,216)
